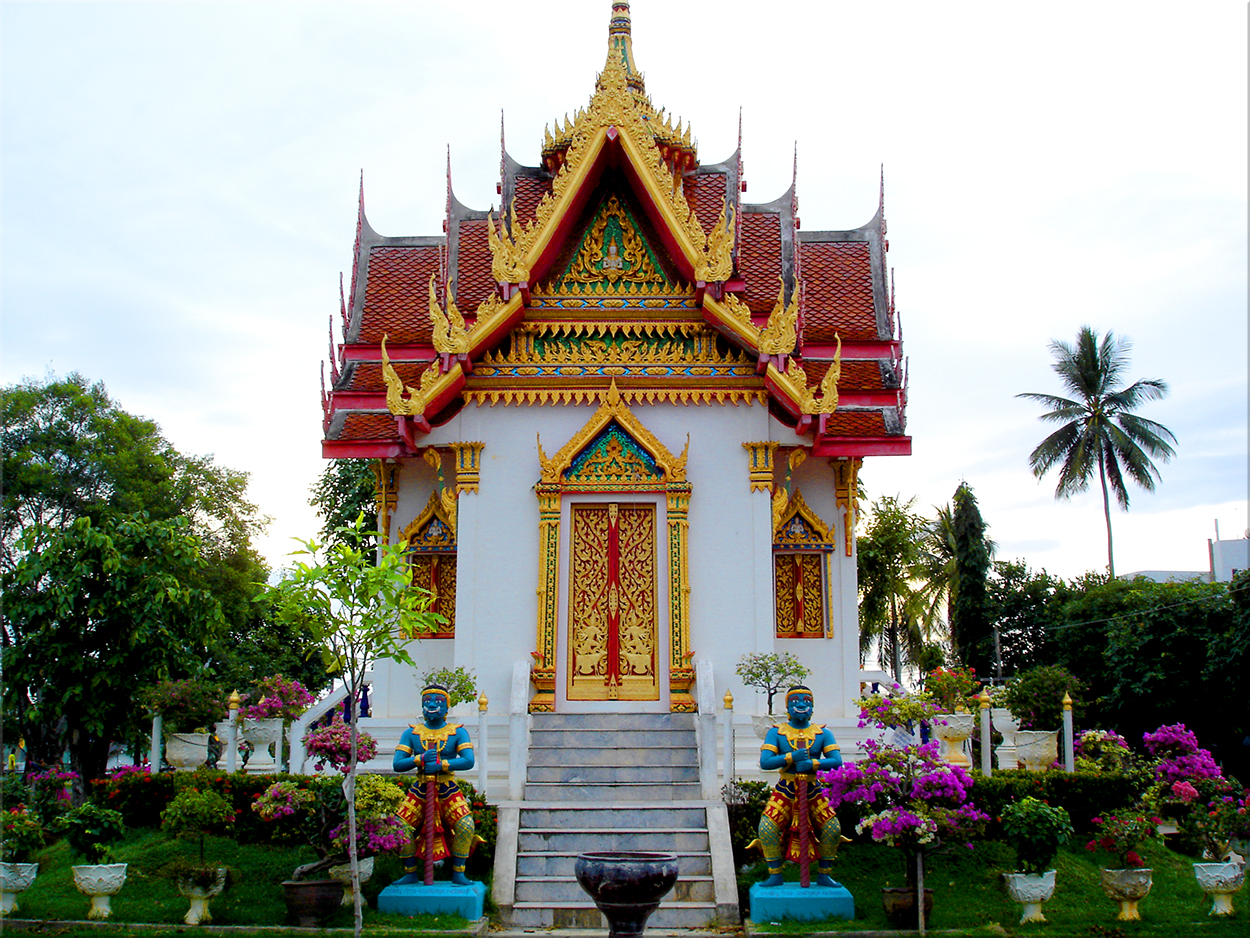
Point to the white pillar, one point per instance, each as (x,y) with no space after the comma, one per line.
(729,739)
(155,757)
(482,752)
(1069,744)
(232,735)
(705,687)
(987,748)
(518,730)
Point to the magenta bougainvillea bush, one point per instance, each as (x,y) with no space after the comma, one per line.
(332,744)
(278,697)
(1180,757)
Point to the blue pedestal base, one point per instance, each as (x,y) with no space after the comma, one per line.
(790,900)
(437,898)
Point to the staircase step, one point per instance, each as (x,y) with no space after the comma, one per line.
(646,816)
(616,791)
(551,889)
(634,771)
(615,755)
(583,841)
(620,722)
(594,738)
(560,863)
(585,915)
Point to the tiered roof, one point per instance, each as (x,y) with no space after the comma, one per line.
(620,260)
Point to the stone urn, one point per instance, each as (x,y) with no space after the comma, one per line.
(1127,887)
(953,734)
(626,885)
(1031,890)
(200,894)
(261,735)
(1220,881)
(1037,749)
(186,752)
(309,902)
(101,882)
(344,875)
(14,878)
(1009,726)
(763,722)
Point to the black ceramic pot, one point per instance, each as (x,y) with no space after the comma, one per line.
(899,903)
(309,902)
(626,885)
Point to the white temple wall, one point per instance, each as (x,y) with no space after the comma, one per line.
(730,552)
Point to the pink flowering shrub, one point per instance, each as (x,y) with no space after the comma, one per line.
(896,708)
(1121,835)
(1180,756)
(282,799)
(277,697)
(1184,791)
(373,835)
(333,744)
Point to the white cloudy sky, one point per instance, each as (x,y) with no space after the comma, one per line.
(179,196)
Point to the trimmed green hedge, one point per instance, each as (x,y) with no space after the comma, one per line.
(1084,795)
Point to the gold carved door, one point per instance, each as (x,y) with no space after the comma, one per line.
(613,626)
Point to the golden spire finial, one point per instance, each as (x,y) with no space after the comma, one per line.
(620,44)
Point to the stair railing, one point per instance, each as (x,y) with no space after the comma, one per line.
(518,730)
(705,688)
(317,711)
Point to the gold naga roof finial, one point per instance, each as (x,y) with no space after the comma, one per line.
(448,332)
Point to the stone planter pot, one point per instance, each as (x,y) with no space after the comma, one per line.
(1037,749)
(953,734)
(1220,881)
(763,722)
(1009,726)
(309,902)
(1031,890)
(626,886)
(1127,887)
(14,878)
(261,735)
(200,896)
(186,752)
(899,903)
(101,882)
(344,875)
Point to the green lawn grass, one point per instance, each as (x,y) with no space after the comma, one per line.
(254,896)
(969,894)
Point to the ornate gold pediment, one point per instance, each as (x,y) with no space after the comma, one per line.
(634,460)
(613,250)
(433,529)
(799,526)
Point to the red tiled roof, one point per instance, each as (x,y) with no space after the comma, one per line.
(529,192)
(856,423)
(837,291)
(369,427)
(368,375)
(473,277)
(759,259)
(856,376)
(397,294)
(706,195)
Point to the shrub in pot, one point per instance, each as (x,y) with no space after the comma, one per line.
(1129,881)
(194,813)
(90,831)
(770,672)
(188,709)
(21,836)
(1036,831)
(1035,697)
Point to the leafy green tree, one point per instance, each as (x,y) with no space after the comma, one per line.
(344,491)
(1099,429)
(890,604)
(92,614)
(357,610)
(1027,607)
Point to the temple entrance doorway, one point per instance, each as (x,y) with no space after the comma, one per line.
(613,629)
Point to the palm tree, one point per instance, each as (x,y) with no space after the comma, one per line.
(892,611)
(1099,429)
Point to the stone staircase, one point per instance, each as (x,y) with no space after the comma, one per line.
(612,782)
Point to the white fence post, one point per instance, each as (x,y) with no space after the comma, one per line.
(729,739)
(1069,744)
(987,747)
(232,735)
(154,760)
(484,753)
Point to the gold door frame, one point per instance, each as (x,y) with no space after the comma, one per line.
(555,482)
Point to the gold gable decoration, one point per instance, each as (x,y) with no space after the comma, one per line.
(779,335)
(449,335)
(414,404)
(612,250)
(433,529)
(797,526)
(827,403)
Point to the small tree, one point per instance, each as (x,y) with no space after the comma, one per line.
(461,683)
(770,672)
(356,611)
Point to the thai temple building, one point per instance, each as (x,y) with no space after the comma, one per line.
(618,418)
